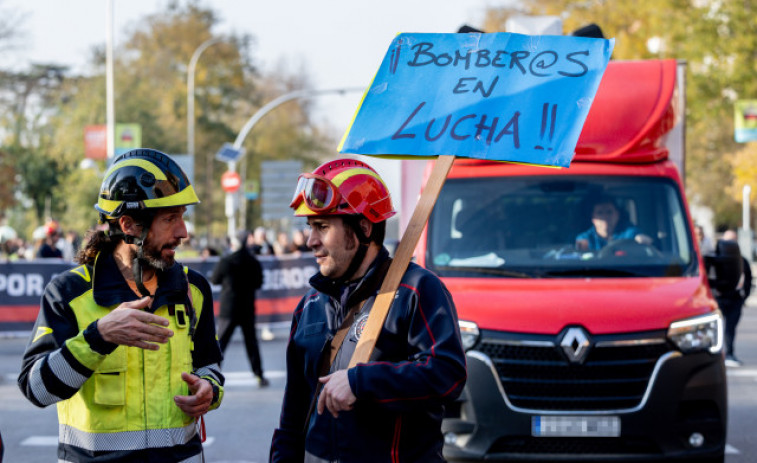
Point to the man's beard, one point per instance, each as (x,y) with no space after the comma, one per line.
(153,258)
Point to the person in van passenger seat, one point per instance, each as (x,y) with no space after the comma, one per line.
(607,226)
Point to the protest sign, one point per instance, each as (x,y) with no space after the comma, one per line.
(503,97)
(500,96)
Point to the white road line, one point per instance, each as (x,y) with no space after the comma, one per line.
(743,372)
(731,450)
(245,378)
(40,441)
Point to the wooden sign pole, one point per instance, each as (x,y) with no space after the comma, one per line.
(402,257)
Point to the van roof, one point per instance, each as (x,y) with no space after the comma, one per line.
(632,111)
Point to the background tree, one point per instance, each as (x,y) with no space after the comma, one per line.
(10,30)
(28,102)
(717,39)
(46,109)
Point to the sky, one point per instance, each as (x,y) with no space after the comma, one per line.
(341,42)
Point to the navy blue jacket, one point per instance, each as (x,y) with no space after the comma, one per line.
(418,365)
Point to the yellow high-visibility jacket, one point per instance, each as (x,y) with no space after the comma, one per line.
(117,401)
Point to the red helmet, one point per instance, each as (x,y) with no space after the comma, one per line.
(343,187)
(52,228)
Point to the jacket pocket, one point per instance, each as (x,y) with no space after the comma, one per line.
(110,379)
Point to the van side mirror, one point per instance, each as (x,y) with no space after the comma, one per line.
(724,268)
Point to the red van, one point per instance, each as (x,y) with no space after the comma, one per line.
(583,351)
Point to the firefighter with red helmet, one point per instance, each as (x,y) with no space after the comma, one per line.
(125,343)
(390,408)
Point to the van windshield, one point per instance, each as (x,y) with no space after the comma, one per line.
(557,227)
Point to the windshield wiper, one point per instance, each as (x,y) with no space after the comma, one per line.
(486,270)
(592,272)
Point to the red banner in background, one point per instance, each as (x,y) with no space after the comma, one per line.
(96,142)
(285,281)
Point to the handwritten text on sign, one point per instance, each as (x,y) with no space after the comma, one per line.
(504,97)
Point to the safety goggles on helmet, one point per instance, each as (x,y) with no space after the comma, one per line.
(317,191)
(343,187)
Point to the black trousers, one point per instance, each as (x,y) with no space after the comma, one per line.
(731,308)
(226,328)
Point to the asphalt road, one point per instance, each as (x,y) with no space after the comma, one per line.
(240,431)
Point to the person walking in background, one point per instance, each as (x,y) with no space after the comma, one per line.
(125,344)
(390,408)
(731,303)
(240,275)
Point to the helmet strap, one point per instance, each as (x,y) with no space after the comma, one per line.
(139,262)
(356,261)
(363,242)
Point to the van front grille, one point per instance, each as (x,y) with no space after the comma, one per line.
(540,377)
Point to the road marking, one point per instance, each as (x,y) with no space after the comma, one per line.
(40,441)
(743,372)
(731,450)
(245,378)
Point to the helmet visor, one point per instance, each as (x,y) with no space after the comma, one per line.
(318,193)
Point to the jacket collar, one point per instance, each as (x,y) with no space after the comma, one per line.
(110,288)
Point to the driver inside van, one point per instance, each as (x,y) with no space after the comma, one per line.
(607,226)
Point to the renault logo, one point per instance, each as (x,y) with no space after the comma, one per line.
(575,343)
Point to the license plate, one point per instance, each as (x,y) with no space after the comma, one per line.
(575,426)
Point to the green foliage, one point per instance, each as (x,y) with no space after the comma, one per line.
(80,191)
(717,39)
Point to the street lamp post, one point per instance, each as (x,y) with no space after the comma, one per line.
(191,117)
(191,92)
(110,111)
(231,200)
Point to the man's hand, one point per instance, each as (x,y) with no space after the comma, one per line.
(129,325)
(201,395)
(337,394)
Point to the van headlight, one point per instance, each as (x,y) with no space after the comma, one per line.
(469,334)
(698,333)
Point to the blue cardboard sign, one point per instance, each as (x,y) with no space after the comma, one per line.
(500,96)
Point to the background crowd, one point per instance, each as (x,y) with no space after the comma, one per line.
(52,241)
